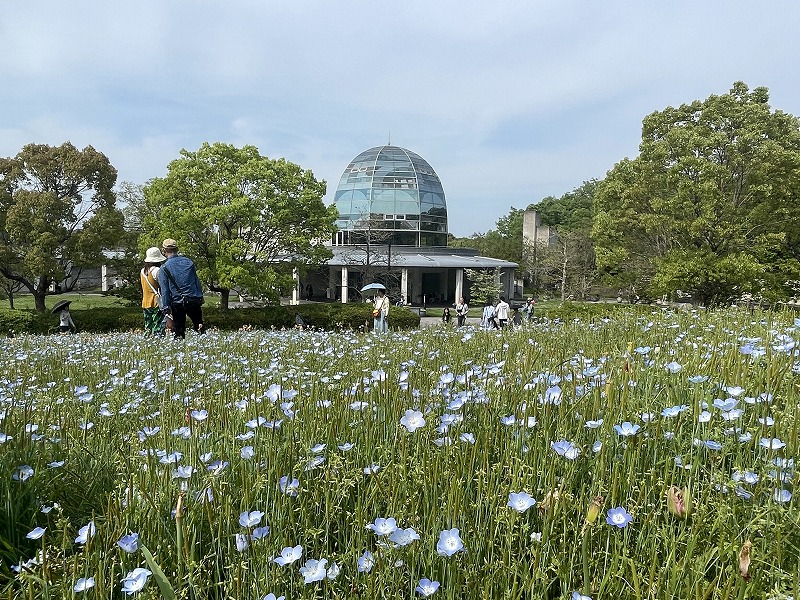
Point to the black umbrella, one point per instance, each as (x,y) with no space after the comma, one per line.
(60,305)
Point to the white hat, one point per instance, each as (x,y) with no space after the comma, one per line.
(153,255)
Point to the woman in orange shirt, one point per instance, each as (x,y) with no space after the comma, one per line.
(151,294)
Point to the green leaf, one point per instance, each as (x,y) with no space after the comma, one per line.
(163,583)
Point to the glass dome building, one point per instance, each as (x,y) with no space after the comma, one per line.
(390,195)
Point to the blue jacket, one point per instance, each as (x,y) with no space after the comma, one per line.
(185,276)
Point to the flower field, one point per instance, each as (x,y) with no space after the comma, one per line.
(648,456)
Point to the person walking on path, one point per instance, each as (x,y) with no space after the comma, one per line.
(380,312)
(181,292)
(446,315)
(151,292)
(502,311)
(461,312)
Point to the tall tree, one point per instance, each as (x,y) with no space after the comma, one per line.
(236,212)
(709,206)
(57,214)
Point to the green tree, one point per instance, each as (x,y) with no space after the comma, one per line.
(709,206)
(57,214)
(236,213)
(483,284)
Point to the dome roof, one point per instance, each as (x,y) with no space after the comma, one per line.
(394,196)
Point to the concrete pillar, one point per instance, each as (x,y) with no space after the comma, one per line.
(344,285)
(296,288)
(104,278)
(404,284)
(459,284)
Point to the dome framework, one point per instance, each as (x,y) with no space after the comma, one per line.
(390,195)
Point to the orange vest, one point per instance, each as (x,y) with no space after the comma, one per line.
(149,298)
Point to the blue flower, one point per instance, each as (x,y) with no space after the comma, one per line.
(85,532)
(383,526)
(403,537)
(83,584)
(449,542)
(366,562)
(412,420)
(314,570)
(250,519)
(618,517)
(290,488)
(521,501)
(566,449)
(288,555)
(771,444)
(426,587)
(135,581)
(36,533)
(129,543)
(627,429)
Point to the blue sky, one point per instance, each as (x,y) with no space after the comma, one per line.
(509,102)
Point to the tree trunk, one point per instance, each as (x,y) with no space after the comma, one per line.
(224,298)
(39,292)
(11,300)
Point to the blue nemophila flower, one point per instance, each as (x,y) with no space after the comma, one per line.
(183,472)
(726,405)
(698,379)
(289,555)
(135,581)
(552,395)
(83,584)
(782,496)
(593,424)
(365,562)
(508,420)
(372,469)
(735,391)
(271,596)
(771,443)
(260,533)
(566,449)
(520,501)
(22,473)
(748,477)
(333,571)
(618,517)
(767,421)
(36,533)
(199,415)
(597,446)
(673,367)
(242,542)
(85,532)
(383,526)
(403,537)
(426,587)
(290,488)
(314,570)
(247,452)
(412,420)
(314,462)
(674,411)
(346,447)
(449,542)
(171,458)
(250,519)
(579,596)
(627,429)
(129,543)
(318,448)
(5,438)
(704,417)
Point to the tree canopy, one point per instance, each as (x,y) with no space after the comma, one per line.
(709,206)
(240,216)
(57,214)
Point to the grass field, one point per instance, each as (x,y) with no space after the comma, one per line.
(621,457)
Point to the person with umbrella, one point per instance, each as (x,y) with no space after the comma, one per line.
(66,324)
(380,310)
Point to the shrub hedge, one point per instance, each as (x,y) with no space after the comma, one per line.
(122,318)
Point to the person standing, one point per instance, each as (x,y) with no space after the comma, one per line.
(488,316)
(461,312)
(181,292)
(502,312)
(380,312)
(151,292)
(527,310)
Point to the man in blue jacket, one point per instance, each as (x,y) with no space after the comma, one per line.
(181,292)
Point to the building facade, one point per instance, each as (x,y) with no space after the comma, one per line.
(392,229)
